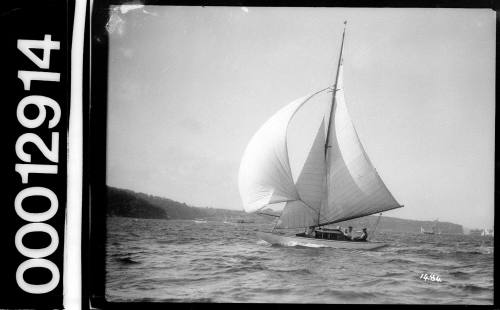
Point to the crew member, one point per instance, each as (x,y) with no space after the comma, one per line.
(348,233)
(363,236)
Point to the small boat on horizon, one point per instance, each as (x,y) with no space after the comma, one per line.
(427,232)
(226,221)
(435,229)
(242,221)
(487,232)
(337,181)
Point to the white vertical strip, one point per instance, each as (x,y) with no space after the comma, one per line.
(72,278)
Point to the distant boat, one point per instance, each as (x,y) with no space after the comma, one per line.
(199,221)
(226,221)
(487,233)
(485,249)
(337,182)
(427,232)
(241,221)
(435,230)
(476,232)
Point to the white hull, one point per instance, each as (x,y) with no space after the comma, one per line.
(312,242)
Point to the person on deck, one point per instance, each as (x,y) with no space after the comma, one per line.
(311,231)
(348,233)
(363,236)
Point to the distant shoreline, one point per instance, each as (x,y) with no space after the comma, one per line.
(127,203)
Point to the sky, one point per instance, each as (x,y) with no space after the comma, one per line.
(189,86)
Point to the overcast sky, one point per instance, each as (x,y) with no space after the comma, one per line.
(188,87)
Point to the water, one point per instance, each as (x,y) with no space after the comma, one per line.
(184,261)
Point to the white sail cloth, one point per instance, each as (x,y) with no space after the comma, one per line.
(333,186)
(354,187)
(265,176)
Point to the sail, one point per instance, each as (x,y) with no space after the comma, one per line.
(354,187)
(310,187)
(297,214)
(311,181)
(335,184)
(265,176)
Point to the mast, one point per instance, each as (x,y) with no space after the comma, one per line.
(327,142)
(334,91)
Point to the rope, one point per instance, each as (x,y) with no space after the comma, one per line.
(275,224)
(375,228)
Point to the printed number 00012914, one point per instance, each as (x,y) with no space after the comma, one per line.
(37,257)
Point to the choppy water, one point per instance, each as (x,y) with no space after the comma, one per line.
(184,261)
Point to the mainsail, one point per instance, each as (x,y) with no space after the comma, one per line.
(337,181)
(354,189)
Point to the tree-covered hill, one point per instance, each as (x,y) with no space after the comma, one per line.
(126,203)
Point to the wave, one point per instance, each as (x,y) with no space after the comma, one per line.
(295,244)
(460,275)
(126,260)
(167,241)
(350,294)
(472,288)
(476,251)
(400,261)
(438,251)
(297,271)
(155,282)
(405,249)
(394,274)
(262,242)
(267,290)
(176,300)
(374,281)
(486,249)
(248,268)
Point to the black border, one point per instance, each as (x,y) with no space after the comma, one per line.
(31,20)
(94,144)
(95,114)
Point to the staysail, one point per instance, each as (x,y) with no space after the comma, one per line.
(337,181)
(310,187)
